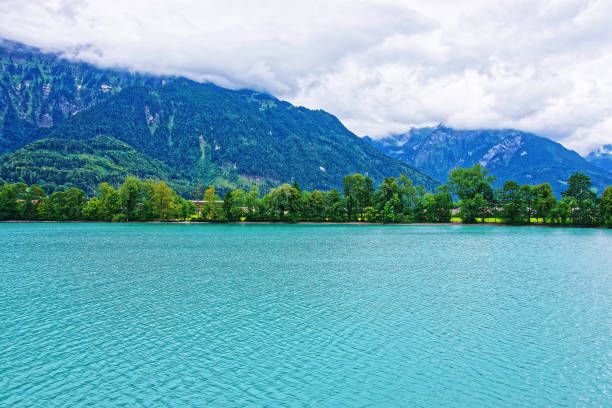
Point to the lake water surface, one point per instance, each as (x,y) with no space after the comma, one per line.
(159,315)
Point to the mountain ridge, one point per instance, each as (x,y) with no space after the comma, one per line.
(210,134)
(509,154)
(205,130)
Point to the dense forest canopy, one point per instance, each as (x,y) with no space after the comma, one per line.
(56,164)
(397,200)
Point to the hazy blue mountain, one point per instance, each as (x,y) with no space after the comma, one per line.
(602,157)
(206,133)
(508,154)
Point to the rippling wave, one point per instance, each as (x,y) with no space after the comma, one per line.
(304,315)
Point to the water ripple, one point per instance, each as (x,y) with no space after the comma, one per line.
(213,315)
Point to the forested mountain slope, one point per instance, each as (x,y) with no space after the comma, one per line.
(206,133)
(218,136)
(57,164)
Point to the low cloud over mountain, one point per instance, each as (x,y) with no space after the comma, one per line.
(380,66)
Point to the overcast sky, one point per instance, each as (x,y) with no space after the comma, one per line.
(380,66)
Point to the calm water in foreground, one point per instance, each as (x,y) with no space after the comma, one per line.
(304,315)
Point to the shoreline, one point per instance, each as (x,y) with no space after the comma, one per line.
(416,224)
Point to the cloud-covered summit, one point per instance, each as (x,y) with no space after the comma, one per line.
(381,66)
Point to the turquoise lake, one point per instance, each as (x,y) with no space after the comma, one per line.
(157,315)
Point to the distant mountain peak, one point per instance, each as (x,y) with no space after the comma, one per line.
(603,150)
(602,157)
(509,154)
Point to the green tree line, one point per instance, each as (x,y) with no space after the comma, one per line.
(525,204)
(134,200)
(396,200)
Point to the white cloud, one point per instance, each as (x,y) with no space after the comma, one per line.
(381,66)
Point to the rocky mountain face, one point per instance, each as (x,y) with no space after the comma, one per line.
(205,133)
(602,157)
(508,154)
(42,90)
